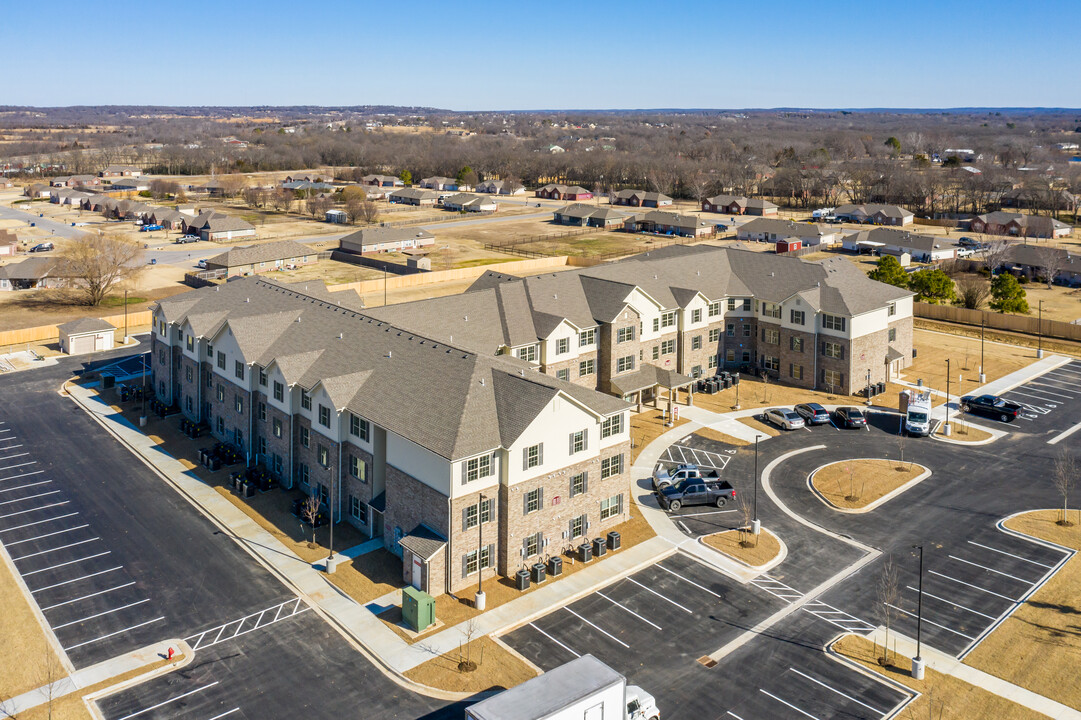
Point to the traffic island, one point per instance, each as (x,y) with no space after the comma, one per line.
(757,553)
(961,432)
(477,666)
(862,484)
(1038,645)
(941,696)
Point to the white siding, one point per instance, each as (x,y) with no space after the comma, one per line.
(423,464)
(552,428)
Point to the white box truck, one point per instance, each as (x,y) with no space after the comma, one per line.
(918,412)
(583,689)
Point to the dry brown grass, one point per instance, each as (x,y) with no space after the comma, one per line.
(26,650)
(963,432)
(742,546)
(711,434)
(1039,646)
(943,697)
(496,669)
(854,484)
(759,426)
(648,426)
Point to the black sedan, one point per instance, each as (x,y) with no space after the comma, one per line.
(851,417)
(813,413)
(991,406)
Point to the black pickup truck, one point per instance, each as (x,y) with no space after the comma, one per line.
(991,406)
(696,491)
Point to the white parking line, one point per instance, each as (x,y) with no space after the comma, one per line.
(84,597)
(22,475)
(835,690)
(1049,389)
(226,713)
(1024,559)
(685,528)
(17,465)
(951,602)
(42,537)
(711,512)
(1070,385)
(974,587)
(83,577)
(598,628)
(38,522)
(996,572)
(118,632)
(686,580)
(28,485)
(1063,435)
(100,614)
(662,597)
(62,547)
(737,717)
(1032,394)
(632,612)
(554,640)
(64,564)
(30,497)
(931,622)
(785,702)
(43,507)
(15,455)
(172,699)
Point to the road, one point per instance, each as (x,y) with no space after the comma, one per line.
(57,228)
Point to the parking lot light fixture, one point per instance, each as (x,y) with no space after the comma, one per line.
(756,524)
(1039,333)
(479,598)
(917,662)
(946,423)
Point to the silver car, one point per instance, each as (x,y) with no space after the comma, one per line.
(784,418)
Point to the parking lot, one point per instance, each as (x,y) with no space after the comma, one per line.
(1048,401)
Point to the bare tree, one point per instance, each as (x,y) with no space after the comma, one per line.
(747,538)
(889,592)
(232,185)
(994,255)
(317,206)
(255,197)
(972,291)
(95,264)
(309,513)
(48,673)
(282,199)
(369,211)
(1052,260)
(354,209)
(1064,476)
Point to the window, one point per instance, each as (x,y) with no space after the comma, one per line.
(533,501)
(527,353)
(731,303)
(696,371)
(359,427)
(578,441)
(563,345)
(358,468)
(279,391)
(730,330)
(746,304)
(668,319)
(324,496)
(305,437)
(324,416)
(578,526)
(476,468)
(276,427)
(532,456)
(656,324)
(586,367)
(833,322)
(668,347)
(611,466)
(610,507)
(221,393)
(564,374)
(238,437)
(261,445)
(324,455)
(729,356)
(833,350)
(358,510)
(209,379)
(532,544)
(696,315)
(771,363)
(746,356)
(276,461)
(715,335)
(221,425)
(305,475)
(262,377)
(832,378)
(713,359)
(771,310)
(579,484)
(587,337)
(238,370)
(891,309)
(161,356)
(480,510)
(696,342)
(625,364)
(656,352)
(714,308)
(892,334)
(796,344)
(797,317)
(188,399)
(238,403)
(209,351)
(746,331)
(305,400)
(486,508)
(262,411)
(795,371)
(191,343)
(625,334)
(221,360)
(187,373)
(469,560)
(612,426)
(771,336)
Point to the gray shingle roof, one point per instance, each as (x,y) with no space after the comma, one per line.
(423,542)
(85,325)
(254,254)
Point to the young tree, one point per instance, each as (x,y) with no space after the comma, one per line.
(932,286)
(354,208)
(894,145)
(282,199)
(889,592)
(95,264)
(309,513)
(353,191)
(1064,476)
(889,271)
(995,254)
(467,176)
(1052,261)
(972,291)
(317,207)
(406,177)
(369,211)
(1007,295)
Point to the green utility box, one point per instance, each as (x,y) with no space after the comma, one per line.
(418,608)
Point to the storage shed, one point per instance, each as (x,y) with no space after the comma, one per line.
(789,245)
(86,335)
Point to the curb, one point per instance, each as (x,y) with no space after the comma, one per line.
(782,553)
(995,435)
(90,700)
(867,672)
(870,506)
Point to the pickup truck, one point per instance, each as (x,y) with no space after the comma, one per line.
(664,476)
(149,228)
(991,406)
(696,491)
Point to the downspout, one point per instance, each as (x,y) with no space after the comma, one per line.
(815,351)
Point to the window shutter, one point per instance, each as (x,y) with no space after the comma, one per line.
(585,482)
(585,439)
(465,565)
(465,516)
(464,471)
(525,503)
(842,352)
(540,454)
(570,450)
(842,379)
(525,458)
(540,498)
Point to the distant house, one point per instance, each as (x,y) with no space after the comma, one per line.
(120,171)
(262,258)
(874,213)
(443,183)
(212,226)
(1019,225)
(583,215)
(885,241)
(670,223)
(5,182)
(385,239)
(76,181)
(775,229)
(414,196)
(738,205)
(554,191)
(640,198)
(36,190)
(1031,261)
(9,243)
(136,184)
(501,187)
(31,273)
(308,186)
(382,181)
(168,218)
(465,202)
(214,188)
(1038,198)
(67,196)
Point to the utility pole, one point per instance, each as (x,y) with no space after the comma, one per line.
(983,326)
(756,525)
(480,596)
(917,662)
(946,424)
(1039,333)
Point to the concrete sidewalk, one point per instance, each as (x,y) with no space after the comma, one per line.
(949,665)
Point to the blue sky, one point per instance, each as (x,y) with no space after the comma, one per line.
(526,55)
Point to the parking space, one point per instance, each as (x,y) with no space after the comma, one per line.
(680,454)
(1049,401)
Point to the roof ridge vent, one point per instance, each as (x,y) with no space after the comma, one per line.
(390,353)
(340,336)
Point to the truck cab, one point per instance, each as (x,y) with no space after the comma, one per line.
(641,705)
(665,476)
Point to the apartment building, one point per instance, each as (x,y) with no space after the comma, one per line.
(420,441)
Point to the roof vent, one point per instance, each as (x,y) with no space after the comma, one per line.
(390,353)
(482,382)
(467,318)
(771,273)
(247,300)
(340,336)
(521,372)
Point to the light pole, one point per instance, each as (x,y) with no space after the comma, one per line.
(756,524)
(867,390)
(946,424)
(917,662)
(983,325)
(479,598)
(1039,333)
(125,317)
(737,390)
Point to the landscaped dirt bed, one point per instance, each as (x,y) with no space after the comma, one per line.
(481,665)
(744,547)
(855,484)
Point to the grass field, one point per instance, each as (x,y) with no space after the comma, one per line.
(28,659)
